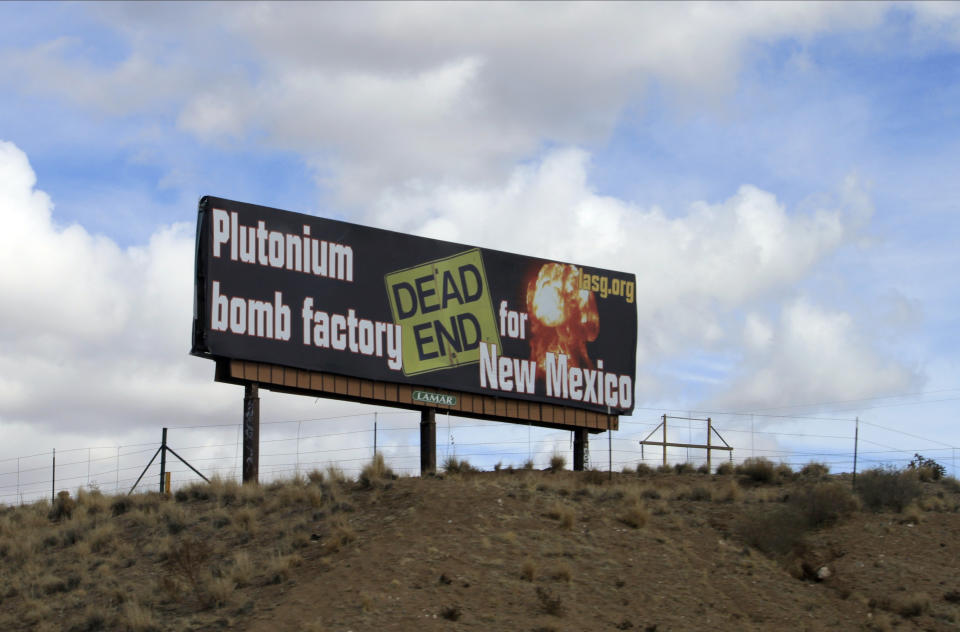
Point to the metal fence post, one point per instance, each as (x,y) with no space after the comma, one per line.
(163,459)
(856,438)
(53,483)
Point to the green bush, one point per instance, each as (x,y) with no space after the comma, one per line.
(888,488)
(927,469)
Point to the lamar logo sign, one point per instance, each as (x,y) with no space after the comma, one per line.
(434,398)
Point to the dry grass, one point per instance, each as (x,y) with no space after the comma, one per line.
(563,513)
(557,462)
(146,563)
(375,472)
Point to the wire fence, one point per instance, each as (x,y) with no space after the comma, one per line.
(349,442)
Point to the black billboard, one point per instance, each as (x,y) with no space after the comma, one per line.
(310,293)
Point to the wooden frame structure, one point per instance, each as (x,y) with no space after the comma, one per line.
(709,446)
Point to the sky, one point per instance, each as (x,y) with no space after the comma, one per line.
(780,177)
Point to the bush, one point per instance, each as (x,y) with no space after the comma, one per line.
(824,504)
(887,488)
(375,471)
(757,469)
(775,531)
(703,469)
(453,465)
(684,468)
(783,471)
(726,468)
(557,462)
(814,470)
(927,469)
(63,507)
(643,469)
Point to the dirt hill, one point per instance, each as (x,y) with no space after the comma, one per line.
(509,550)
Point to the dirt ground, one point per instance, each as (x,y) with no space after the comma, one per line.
(518,550)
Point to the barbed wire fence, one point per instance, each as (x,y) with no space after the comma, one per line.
(348,442)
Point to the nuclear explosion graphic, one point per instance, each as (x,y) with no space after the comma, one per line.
(563,317)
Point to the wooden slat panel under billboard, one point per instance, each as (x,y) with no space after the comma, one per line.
(371,392)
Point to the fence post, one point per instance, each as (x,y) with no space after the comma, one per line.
(374,434)
(709,451)
(609,448)
(117,485)
(18,481)
(299,425)
(88,467)
(163,459)
(53,483)
(664,439)
(856,438)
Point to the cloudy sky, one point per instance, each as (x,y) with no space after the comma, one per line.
(782,179)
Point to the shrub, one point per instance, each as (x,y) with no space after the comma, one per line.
(726,468)
(453,465)
(783,471)
(643,469)
(557,462)
(775,531)
(703,469)
(528,572)
(684,468)
(887,488)
(951,483)
(374,472)
(528,464)
(549,603)
(563,513)
(593,476)
(824,504)
(634,516)
(63,507)
(664,469)
(814,470)
(927,469)
(757,469)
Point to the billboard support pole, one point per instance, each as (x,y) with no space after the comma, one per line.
(251,433)
(428,441)
(579,443)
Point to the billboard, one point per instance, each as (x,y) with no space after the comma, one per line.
(317,294)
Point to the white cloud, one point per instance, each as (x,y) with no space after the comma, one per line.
(385,93)
(813,355)
(91,333)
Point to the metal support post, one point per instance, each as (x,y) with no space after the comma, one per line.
(580,439)
(428,441)
(53,484)
(251,434)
